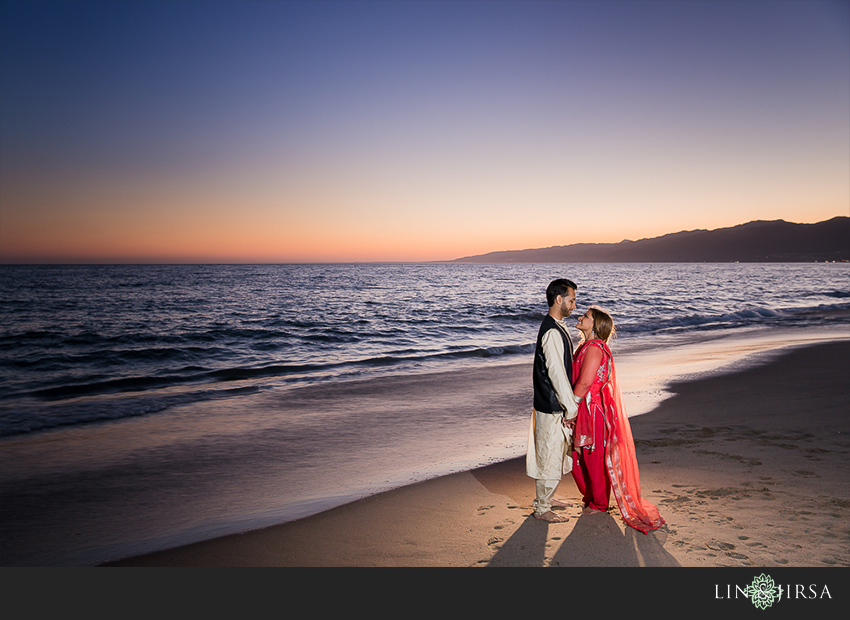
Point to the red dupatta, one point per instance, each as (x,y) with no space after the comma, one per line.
(620,457)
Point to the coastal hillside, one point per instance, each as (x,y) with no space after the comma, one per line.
(775,241)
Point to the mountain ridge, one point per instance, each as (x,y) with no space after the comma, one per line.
(755,241)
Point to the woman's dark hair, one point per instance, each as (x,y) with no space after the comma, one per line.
(603,324)
(558,287)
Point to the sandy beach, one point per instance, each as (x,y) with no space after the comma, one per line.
(749,469)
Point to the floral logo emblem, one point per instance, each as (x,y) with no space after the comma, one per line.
(763,592)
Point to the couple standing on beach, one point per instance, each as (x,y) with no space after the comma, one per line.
(579,424)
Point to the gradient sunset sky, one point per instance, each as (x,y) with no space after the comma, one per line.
(285,131)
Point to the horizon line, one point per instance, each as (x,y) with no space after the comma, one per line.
(56,261)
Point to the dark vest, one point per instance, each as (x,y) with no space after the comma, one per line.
(545,399)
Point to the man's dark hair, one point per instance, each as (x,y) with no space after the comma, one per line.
(558,287)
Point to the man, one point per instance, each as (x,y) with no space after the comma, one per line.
(555,409)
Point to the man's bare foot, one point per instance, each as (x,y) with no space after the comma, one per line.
(551,517)
(559,503)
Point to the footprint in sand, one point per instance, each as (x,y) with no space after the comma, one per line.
(806,474)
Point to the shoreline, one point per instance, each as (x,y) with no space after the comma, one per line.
(746,466)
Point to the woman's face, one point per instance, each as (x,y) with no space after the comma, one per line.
(585,322)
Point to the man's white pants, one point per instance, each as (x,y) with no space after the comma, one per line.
(549,456)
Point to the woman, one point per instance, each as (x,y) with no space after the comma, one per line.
(604,451)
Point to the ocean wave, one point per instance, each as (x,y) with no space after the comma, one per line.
(534,316)
(17,418)
(69,334)
(745,316)
(107,386)
(836,293)
(69,387)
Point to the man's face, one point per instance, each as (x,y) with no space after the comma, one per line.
(568,303)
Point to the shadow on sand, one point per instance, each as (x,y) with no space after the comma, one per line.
(595,540)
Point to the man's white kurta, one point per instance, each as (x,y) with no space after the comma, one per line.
(550,444)
(550,447)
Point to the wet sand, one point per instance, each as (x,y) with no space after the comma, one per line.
(748,469)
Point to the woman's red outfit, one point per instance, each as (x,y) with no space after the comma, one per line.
(604,459)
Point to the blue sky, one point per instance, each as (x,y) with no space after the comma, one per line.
(271,131)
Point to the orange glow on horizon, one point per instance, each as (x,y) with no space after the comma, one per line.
(213,242)
(243,219)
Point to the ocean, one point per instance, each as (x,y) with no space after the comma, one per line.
(144,406)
